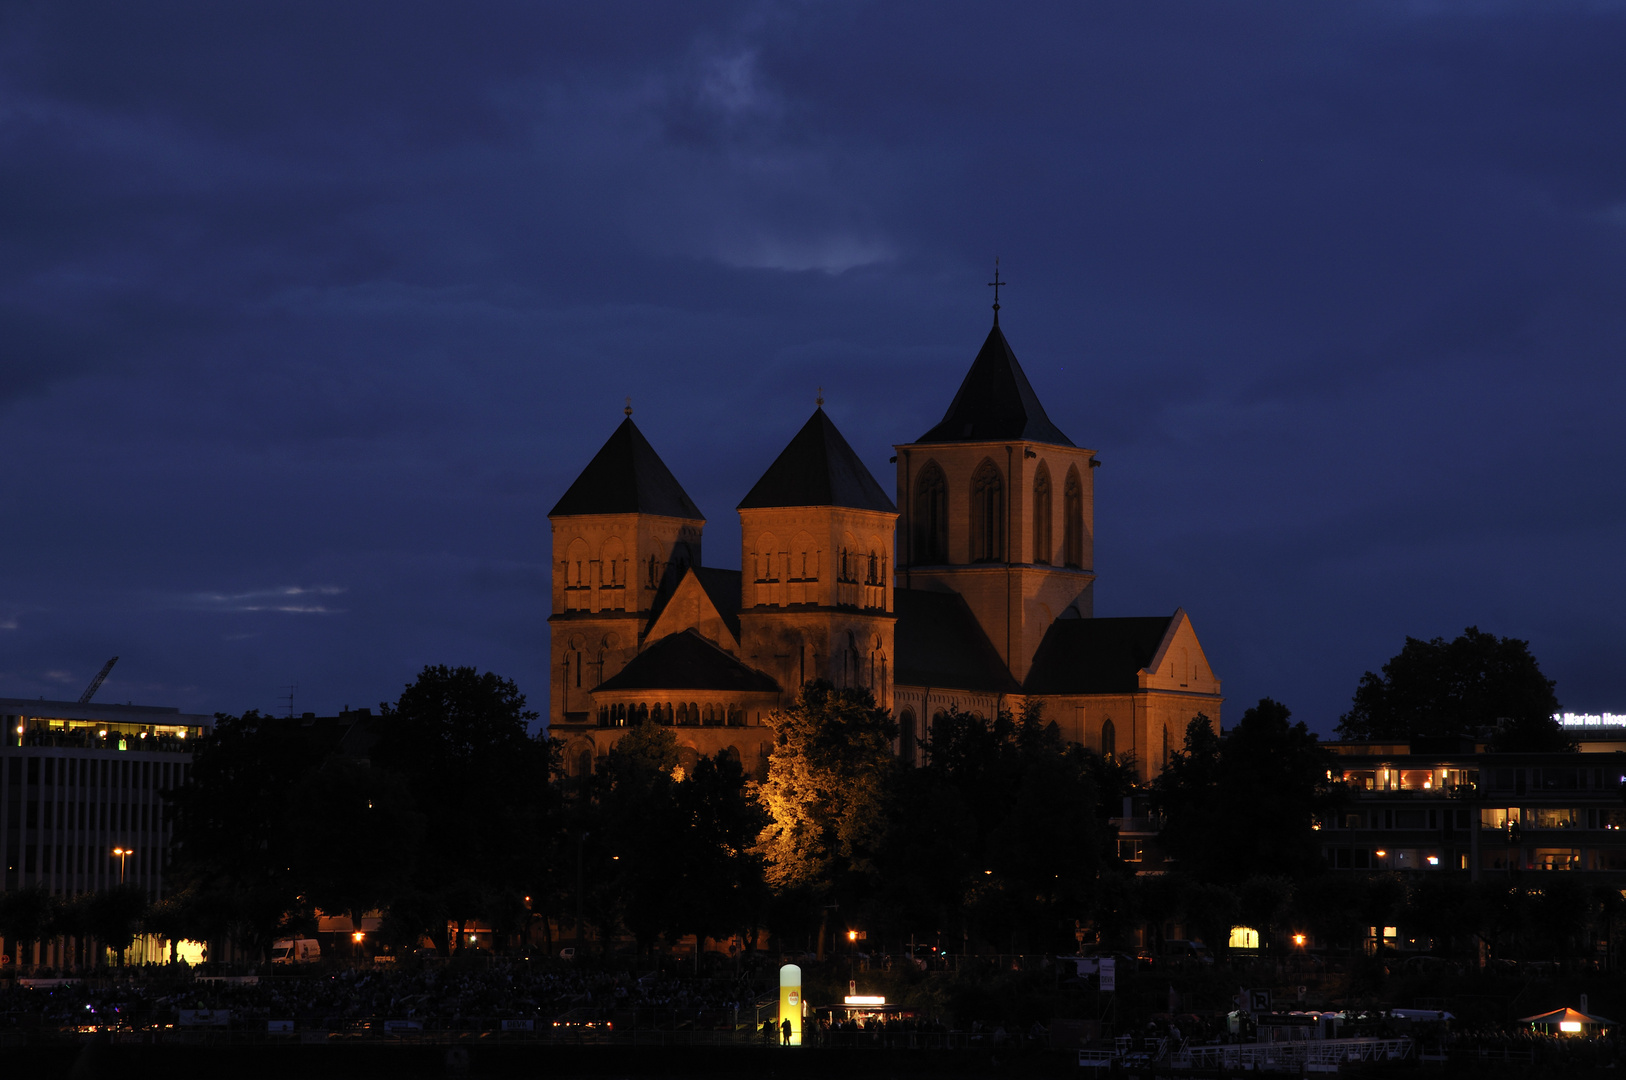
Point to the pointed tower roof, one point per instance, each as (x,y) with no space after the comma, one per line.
(995,402)
(626,476)
(818,468)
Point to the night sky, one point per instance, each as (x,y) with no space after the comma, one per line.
(309,313)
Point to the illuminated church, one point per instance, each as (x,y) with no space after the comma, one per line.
(974,590)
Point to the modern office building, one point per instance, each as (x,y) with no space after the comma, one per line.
(81,804)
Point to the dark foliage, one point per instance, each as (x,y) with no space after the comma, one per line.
(1246,805)
(1478,685)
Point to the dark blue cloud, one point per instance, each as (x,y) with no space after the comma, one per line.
(308,313)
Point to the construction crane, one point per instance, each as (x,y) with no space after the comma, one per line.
(96,683)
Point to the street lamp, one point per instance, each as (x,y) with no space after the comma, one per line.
(123,854)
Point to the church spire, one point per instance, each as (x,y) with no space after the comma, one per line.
(995,401)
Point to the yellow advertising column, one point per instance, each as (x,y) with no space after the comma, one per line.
(790,1002)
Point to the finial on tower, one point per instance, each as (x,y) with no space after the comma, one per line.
(628,409)
(996,283)
(819,401)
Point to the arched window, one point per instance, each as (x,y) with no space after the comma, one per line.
(931,516)
(729,753)
(1109,740)
(643,713)
(906,737)
(987,513)
(584,763)
(1072,511)
(694,714)
(736,716)
(1041,515)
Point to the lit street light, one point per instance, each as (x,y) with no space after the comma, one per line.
(123,854)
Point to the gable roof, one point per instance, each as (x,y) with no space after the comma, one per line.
(722,589)
(818,468)
(1097,656)
(687,661)
(940,643)
(626,476)
(995,402)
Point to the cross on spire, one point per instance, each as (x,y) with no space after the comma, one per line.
(628,409)
(819,401)
(996,283)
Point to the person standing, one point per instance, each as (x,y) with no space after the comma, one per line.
(784,1029)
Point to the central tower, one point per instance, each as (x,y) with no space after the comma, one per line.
(998,505)
(816,535)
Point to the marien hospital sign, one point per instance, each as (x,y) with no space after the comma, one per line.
(1584,720)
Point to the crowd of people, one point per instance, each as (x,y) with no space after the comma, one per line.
(433,996)
(560,1001)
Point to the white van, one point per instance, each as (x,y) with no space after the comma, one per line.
(299,950)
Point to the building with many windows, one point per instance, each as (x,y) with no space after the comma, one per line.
(81,792)
(973,589)
(1426,807)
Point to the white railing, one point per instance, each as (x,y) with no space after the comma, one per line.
(1315,1055)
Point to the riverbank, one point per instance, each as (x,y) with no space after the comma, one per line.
(103,1059)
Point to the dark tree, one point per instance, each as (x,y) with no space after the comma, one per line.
(630,836)
(1478,685)
(1247,804)
(115,916)
(1263,905)
(1213,910)
(1187,795)
(999,835)
(356,836)
(232,833)
(478,778)
(719,886)
(26,916)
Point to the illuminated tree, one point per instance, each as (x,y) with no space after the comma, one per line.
(826,787)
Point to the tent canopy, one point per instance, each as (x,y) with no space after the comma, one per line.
(1565,1016)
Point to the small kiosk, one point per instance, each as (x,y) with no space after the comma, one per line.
(1567,1021)
(863,1019)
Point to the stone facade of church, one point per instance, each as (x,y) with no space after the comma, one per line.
(974,590)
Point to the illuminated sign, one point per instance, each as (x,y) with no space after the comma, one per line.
(1570,1025)
(1586,720)
(864,999)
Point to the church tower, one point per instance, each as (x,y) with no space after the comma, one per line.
(621,530)
(998,506)
(816,583)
